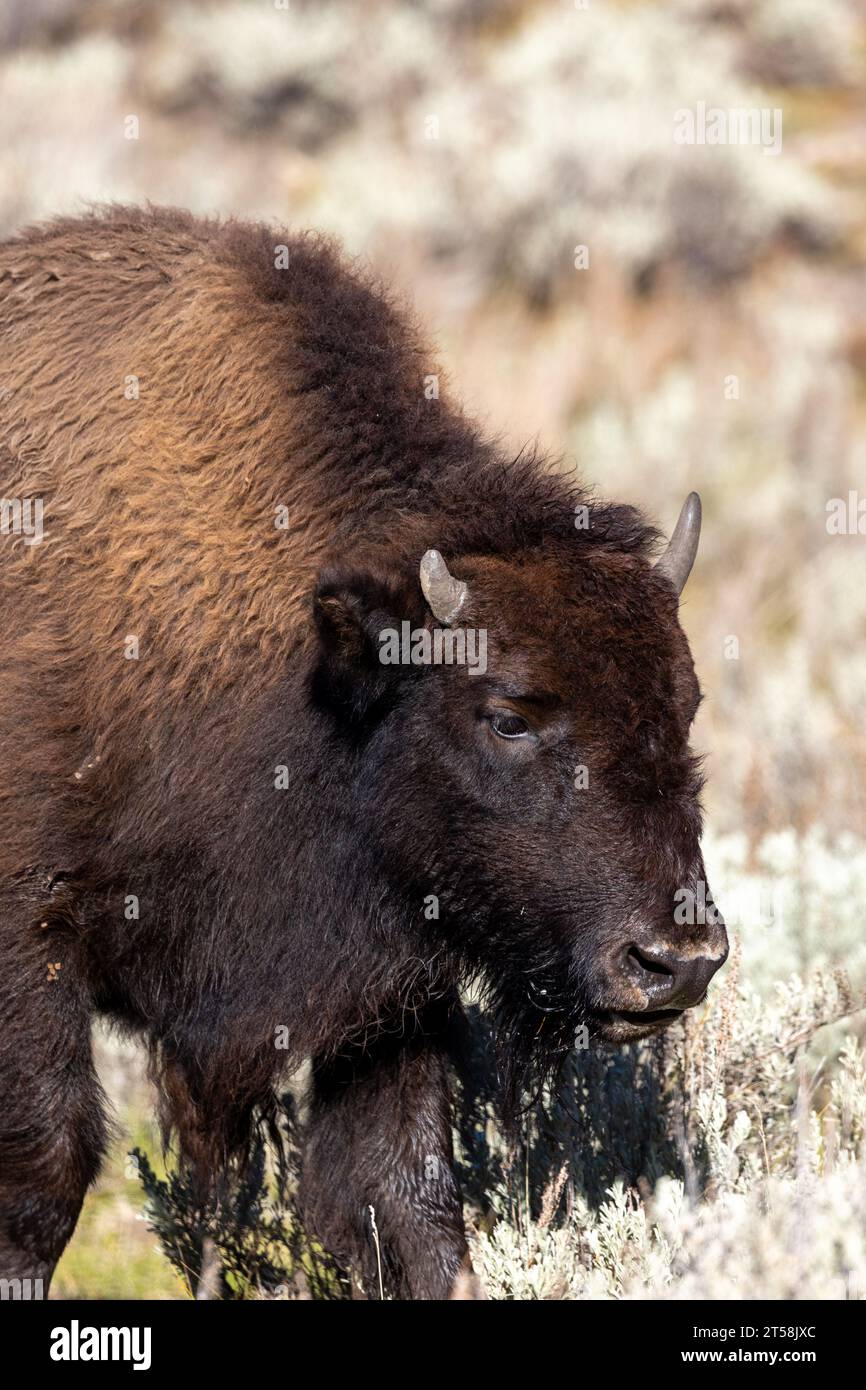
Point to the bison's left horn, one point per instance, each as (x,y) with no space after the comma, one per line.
(676,563)
(444,594)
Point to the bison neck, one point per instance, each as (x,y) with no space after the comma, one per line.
(269,927)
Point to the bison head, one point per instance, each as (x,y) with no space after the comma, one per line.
(537,811)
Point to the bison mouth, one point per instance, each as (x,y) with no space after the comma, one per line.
(626,1025)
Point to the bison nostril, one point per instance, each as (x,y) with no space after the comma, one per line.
(640,963)
(665,979)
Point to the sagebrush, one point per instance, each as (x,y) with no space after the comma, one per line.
(725,1159)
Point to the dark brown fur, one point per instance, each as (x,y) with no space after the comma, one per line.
(262,908)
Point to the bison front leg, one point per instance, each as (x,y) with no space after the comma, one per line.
(52,1132)
(379,1187)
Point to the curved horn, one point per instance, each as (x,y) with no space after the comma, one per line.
(444,594)
(676,563)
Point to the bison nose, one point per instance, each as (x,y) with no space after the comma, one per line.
(667,979)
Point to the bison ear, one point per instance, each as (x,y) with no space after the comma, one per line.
(358,616)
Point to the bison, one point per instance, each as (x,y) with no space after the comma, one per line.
(226,822)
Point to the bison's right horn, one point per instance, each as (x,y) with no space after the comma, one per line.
(444,594)
(676,563)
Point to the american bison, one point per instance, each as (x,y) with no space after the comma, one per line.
(226,822)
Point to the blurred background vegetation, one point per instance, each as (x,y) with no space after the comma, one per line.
(716,339)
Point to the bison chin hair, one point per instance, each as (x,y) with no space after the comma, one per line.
(536,1013)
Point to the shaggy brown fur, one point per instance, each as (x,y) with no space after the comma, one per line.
(147,854)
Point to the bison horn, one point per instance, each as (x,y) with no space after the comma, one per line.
(444,594)
(676,563)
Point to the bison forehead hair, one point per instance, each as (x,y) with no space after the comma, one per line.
(246,484)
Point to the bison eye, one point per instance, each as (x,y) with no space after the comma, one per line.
(509,725)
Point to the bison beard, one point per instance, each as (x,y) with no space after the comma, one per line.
(222,818)
(533,1034)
